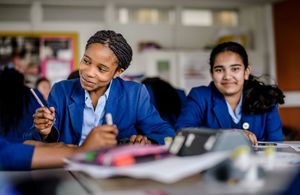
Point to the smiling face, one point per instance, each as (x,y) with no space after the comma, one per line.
(98,67)
(229,73)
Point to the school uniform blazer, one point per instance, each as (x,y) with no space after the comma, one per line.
(128,102)
(206,107)
(15,156)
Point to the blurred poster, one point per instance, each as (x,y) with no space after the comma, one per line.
(57,57)
(194,69)
(36,54)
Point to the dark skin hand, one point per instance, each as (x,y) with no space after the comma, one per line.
(139,139)
(44,119)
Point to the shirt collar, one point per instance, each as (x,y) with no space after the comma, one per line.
(87,97)
(237,115)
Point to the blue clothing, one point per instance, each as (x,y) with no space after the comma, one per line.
(128,102)
(15,156)
(206,107)
(16,133)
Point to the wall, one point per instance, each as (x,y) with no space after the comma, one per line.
(172,37)
(287,40)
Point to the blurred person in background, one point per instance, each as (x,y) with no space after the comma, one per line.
(44,86)
(167,100)
(17,104)
(73,75)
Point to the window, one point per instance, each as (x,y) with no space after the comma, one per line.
(193,17)
(208,17)
(73,13)
(143,15)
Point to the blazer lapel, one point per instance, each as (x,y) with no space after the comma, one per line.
(113,104)
(220,110)
(76,107)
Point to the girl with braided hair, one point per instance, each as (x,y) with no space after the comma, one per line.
(78,105)
(235,99)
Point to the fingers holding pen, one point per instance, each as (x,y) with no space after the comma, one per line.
(44,117)
(101,136)
(45,113)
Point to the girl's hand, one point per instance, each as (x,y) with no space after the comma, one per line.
(251,137)
(140,139)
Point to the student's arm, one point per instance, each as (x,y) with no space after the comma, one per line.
(192,114)
(52,155)
(15,156)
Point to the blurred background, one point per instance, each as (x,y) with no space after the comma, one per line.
(171,39)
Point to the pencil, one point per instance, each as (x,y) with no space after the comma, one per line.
(37,98)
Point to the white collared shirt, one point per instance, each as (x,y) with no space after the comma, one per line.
(91,117)
(237,115)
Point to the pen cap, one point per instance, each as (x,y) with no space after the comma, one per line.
(108,118)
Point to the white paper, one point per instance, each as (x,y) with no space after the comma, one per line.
(168,170)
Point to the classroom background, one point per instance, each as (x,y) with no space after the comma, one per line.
(170,39)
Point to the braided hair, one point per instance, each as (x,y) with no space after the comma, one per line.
(258,97)
(116,42)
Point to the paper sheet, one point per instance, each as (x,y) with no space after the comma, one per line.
(167,170)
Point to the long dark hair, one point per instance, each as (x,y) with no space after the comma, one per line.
(258,97)
(14,98)
(165,96)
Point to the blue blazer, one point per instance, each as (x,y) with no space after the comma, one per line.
(19,131)
(15,156)
(128,102)
(206,107)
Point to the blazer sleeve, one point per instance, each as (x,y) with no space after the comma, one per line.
(274,126)
(15,156)
(149,120)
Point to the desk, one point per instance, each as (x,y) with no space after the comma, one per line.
(276,182)
(61,181)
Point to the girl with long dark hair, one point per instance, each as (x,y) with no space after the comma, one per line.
(235,98)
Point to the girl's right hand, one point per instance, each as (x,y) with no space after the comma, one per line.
(44,120)
(251,136)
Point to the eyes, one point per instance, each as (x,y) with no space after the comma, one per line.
(85,61)
(101,68)
(220,69)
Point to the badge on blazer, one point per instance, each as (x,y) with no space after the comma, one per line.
(246,125)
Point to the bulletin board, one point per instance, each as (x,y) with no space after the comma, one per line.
(41,54)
